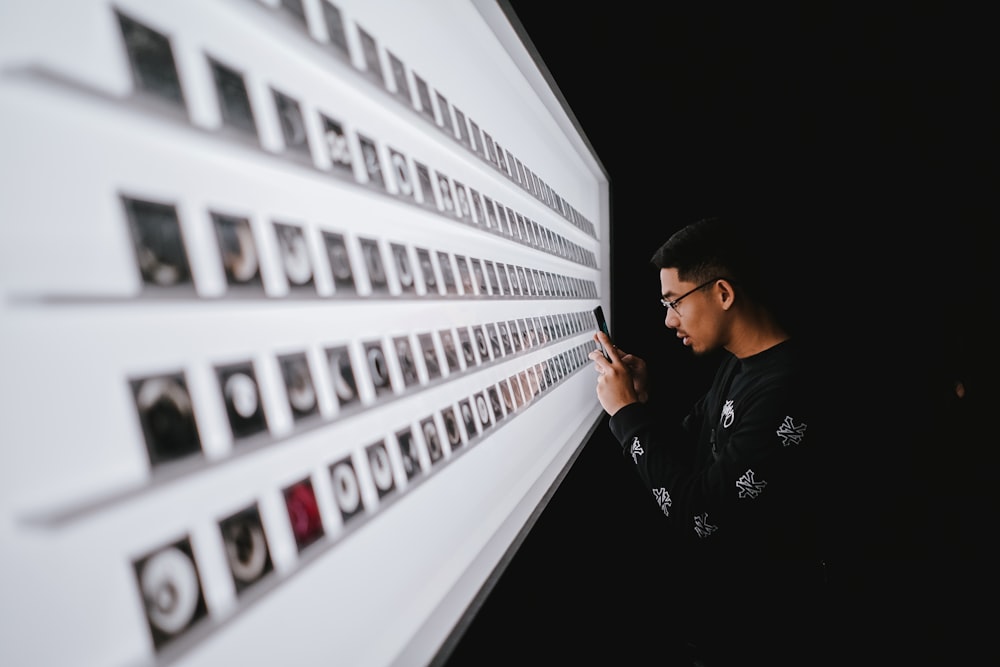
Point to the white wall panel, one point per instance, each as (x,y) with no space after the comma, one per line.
(269,395)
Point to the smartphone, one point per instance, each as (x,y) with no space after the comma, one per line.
(602,324)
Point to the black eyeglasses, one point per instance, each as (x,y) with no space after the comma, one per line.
(668,303)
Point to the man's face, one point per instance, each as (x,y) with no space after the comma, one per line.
(697,315)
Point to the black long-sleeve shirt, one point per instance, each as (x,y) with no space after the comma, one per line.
(736,478)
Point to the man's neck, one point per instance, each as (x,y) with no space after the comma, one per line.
(755,337)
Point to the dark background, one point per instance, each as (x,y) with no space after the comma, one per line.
(862,141)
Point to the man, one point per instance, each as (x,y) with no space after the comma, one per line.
(735,477)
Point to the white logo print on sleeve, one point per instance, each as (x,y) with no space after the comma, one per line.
(790,432)
(636,449)
(749,487)
(702,527)
(662,497)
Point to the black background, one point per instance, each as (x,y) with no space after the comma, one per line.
(863,141)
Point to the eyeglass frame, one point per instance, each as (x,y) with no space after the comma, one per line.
(671,304)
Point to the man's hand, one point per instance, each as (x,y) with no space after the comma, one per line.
(622,380)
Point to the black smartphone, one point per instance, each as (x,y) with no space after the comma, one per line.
(602,324)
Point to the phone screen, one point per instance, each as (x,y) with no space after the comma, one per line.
(602,324)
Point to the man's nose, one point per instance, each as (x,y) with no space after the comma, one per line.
(671,320)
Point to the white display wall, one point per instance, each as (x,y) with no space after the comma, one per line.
(296,312)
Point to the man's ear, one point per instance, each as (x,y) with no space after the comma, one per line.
(727,295)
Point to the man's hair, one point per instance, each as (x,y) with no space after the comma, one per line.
(706,249)
(721,248)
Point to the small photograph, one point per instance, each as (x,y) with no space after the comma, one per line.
(505,287)
(464,274)
(515,335)
(294,250)
(426,182)
(299,388)
(241,396)
(346,492)
(424,97)
(171,591)
(530,384)
(407,360)
(491,277)
(528,184)
(444,194)
(482,343)
(234,102)
(505,338)
(545,374)
(373,64)
(335,32)
(377,276)
(246,547)
(522,281)
(340,264)
(522,326)
(238,251)
(468,418)
(491,220)
(515,231)
(450,351)
(404,269)
(447,272)
(151,57)
(524,226)
(501,159)
(515,385)
(378,368)
(381,468)
(511,170)
(539,369)
(435,450)
(477,207)
(483,410)
(495,345)
(491,149)
(452,430)
(495,403)
(533,339)
(293,124)
(427,272)
(167,417)
(480,276)
(408,453)
(505,394)
(401,172)
(463,128)
(345,383)
(303,513)
(338,147)
(477,139)
(373,165)
(430,355)
(402,86)
(464,209)
(159,244)
(444,120)
(468,352)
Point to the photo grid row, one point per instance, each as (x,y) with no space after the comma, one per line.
(322,262)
